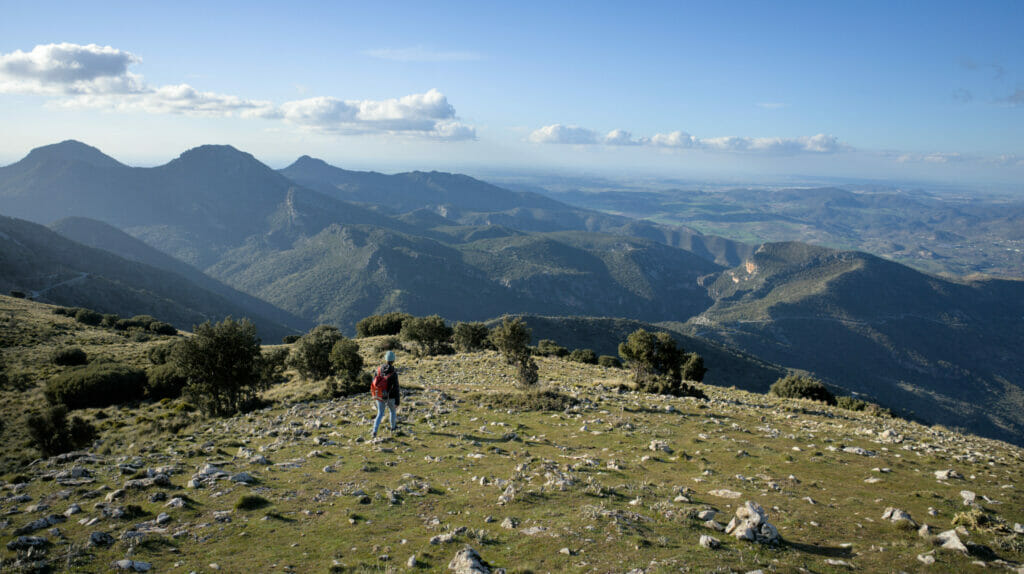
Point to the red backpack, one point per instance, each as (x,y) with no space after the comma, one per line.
(379,386)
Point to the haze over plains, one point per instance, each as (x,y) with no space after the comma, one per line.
(748,91)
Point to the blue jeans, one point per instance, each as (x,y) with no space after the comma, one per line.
(390,403)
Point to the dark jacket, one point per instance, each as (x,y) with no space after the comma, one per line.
(394,392)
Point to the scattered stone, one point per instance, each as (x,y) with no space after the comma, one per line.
(100,539)
(709,542)
(509,523)
(144,483)
(468,561)
(40,524)
(896,515)
(533,530)
(837,562)
(706,515)
(158,497)
(928,559)
(968,497)
(26,542)
(950,541)
(948,474)
(723,493)
(925,531)
(751,523)
(243,478)
(411,562)
(659,446)
(116,495)
(176,502)
(132,565)
(565,550)
(858,450)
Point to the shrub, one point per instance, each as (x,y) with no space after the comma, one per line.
(251,502)
(549,348)
(532,400)
(64,311)
(222,363)
(609,362)
(18,294)
(693,368)
(289,339)
(429,335)
(311,354)
(657,363)
(800,387)
(348,364)
(3,371)
(469,337)
(96,385)
(88,317)
(165,381)
(855,404)
(69,356)
(109,320)
(386,324)
(272,365)
(52,433)
(389,343)
(586,356)
(161,328)
(160,354)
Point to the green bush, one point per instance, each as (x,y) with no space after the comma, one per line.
(88,317)
(223,365)
(389,343)
(470,337)
(65,311)
(272,365)
(609,362)
(160,354)
(251,502)
(289,339)
(311,354)
(165,381)
(801,387)
(530,400)
(69,356)
(512,339)
(52,433)
(855,404)
(429,335)
(18,294)
(386,324)
(657,364)
(161,328)
(348,364)
(96,385)
(549,348)
(109,320)
(585,356)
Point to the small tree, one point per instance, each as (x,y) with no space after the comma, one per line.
(469,337)
(222,364)
(657,363)
(795,386)
(88,317)
(348,364)
(69,357)
(429,335)
(311,354)
(609,362)
(549,348)
(511,339)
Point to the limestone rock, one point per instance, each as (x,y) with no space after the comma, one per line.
(896,515)
(948,474)
(468,561)
(751,523)
(950,541)
(26,542)
(100,539)
(709,542)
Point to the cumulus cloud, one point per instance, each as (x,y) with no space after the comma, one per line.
(559,134)
(95,76)
(422,54)
(427,114)
(68,69)
(936,157)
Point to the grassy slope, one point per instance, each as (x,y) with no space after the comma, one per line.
(775,452)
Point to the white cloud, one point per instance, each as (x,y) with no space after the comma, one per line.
(428,114)
(770,105)
(422,54)
(68,69)
(936,157)
(98,77)
(559,134)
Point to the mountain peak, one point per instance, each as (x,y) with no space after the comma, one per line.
(72,150)
(218,157)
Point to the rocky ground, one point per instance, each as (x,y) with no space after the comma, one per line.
(618,482)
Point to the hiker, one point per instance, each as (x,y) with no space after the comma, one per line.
(385,392)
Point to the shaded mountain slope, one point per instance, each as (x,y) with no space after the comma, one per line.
(948,351)
(51,268)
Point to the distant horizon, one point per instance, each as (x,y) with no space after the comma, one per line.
(745,91)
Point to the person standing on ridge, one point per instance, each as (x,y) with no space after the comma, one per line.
(386,392)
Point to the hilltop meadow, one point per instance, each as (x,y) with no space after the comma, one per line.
(583,474)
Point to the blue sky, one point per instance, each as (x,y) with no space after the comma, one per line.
(747,90)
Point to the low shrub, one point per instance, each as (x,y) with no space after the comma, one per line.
(311,354)
(389,343)
(165,381)
(160,354)
(801,387)
(110,320)
(693,368)
(161,328)
(289,339)
(549,348)
(609,362)
(52,433)
(348,364)
(18,294)
(530,400)
(69,356)
(585,356)
(386,324)
(96,385)
(251,502)
(88,317)
(428,335)
(272,365)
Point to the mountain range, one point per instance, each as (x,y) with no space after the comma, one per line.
(314,243)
